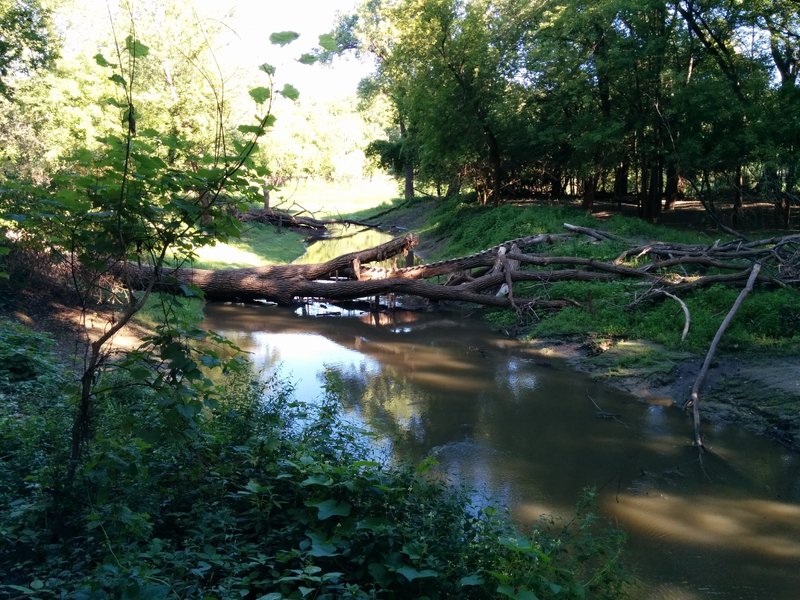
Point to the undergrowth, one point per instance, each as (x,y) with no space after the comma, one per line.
(257,495)
(766,320)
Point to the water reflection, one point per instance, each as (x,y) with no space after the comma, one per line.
(525,431)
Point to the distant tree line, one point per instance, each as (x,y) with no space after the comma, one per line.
(632,100)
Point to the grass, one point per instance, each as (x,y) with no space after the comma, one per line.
(259,245)
(263,245)
(332,199)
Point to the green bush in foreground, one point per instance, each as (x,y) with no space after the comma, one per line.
(263,497)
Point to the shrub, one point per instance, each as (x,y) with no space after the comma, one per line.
(267,497)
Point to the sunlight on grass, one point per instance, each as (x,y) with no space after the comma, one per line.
(330,199)
(228,256)
(262,245)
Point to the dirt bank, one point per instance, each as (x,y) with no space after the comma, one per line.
(760,393)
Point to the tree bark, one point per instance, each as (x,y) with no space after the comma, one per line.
(478,278)
(695,396)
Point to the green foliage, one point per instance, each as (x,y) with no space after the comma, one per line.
(282,38)
(765,320)
(513,98)
(267,497)
(27,40)
(24,356)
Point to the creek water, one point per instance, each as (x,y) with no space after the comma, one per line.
(523,430)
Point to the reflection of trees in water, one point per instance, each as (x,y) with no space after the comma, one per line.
(417,415)
(386,403)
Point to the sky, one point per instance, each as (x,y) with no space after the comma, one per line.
(253,21)
(249,24)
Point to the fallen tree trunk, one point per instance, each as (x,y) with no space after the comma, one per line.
(295,221)
(488,277)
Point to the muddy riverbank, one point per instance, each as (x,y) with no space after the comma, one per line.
(758,393)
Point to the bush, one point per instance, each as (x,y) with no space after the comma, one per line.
(265,497)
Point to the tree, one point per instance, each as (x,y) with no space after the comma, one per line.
(126,202)
(27,41)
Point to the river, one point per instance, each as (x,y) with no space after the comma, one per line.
(523,430)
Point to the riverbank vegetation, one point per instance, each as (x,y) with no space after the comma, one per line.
(609,309)
(166,470)
(251,493)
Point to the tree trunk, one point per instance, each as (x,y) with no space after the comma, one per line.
(495,185)
(556,184)
(408,163)
(621,182)
(652,202)
(589,189)
(671,191)
(453,187)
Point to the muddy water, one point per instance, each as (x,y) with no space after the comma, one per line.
(524,430)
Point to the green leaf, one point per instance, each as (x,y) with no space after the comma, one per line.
(210,361)
(307,59)
(268,69)
(187,411)
(254,129)
(136,48)
(19,588)
(117,78)
(260,94)
(290,92)
(411,573)
(281,38)
(330,508)
(328,42)
(191,290)
(101,60)
(320,546)
(470,580)
(317,479)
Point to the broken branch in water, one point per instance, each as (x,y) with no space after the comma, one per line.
(695,396)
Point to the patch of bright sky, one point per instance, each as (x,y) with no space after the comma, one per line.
(253,21)
(246,44)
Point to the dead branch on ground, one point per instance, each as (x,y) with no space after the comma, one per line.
(488,277)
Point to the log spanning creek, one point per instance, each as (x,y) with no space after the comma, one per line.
(522,430)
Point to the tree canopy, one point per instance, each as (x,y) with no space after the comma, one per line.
(640,100)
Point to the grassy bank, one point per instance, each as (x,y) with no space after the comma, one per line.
(753,379)
(767,322)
